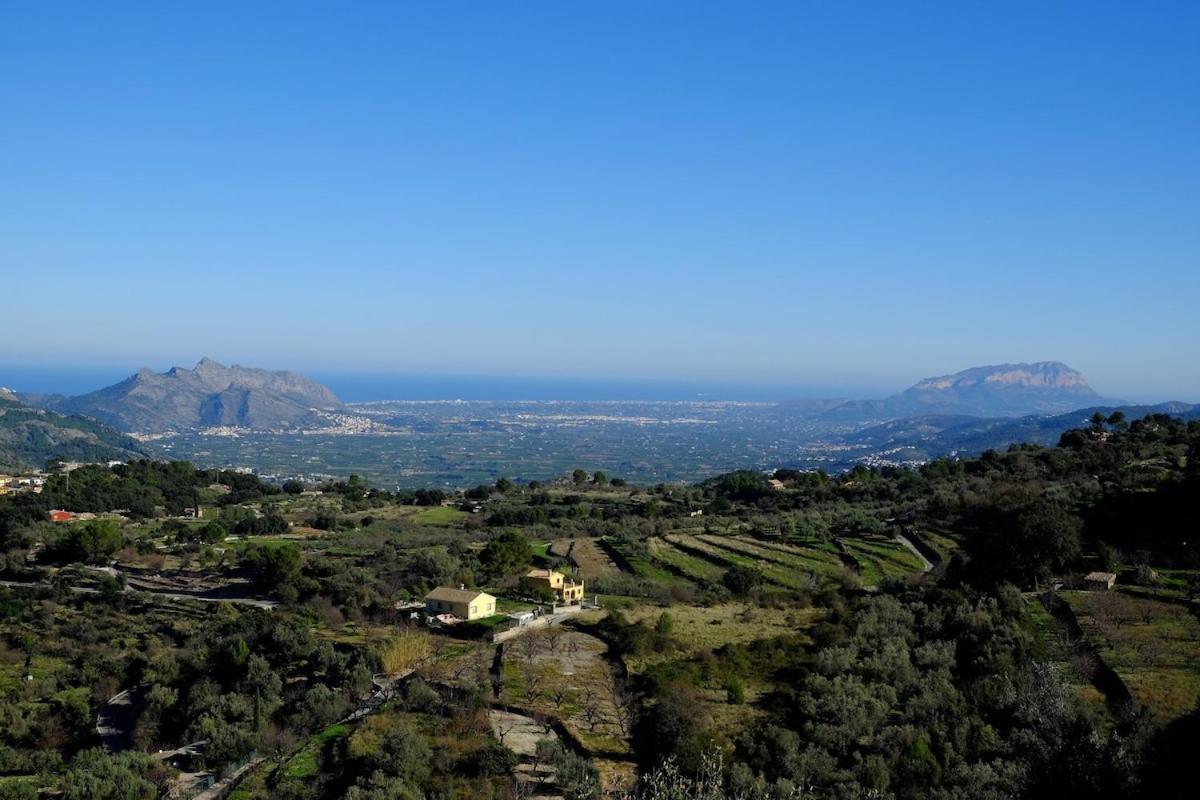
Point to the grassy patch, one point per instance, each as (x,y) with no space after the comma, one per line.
(439,515)
(697,628)
(487,622)
(304,764)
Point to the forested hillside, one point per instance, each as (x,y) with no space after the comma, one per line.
(30,437)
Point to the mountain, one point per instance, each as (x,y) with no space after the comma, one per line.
(208,395)
(1001,390)
(29,437)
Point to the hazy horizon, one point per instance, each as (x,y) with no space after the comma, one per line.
(367,386)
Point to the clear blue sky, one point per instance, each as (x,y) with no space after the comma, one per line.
(815,193)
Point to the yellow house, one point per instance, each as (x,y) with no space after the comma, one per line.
(565,589)
(465,604)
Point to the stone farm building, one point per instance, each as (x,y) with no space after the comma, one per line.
(1100,581)
(465,604)
(565,590)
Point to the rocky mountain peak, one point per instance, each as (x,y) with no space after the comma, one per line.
(1045,374)
(1041,387)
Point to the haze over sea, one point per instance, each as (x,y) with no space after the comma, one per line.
(365,387)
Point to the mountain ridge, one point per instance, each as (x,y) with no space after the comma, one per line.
(208,395)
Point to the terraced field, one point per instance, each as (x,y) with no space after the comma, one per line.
(818,560)
(693,567)
(720,553)
(882,558)
(940,542)
(788,564)
(638,563)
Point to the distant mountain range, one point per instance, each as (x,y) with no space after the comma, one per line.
(1001,390)
(29,437)
(209,395)
(963,413)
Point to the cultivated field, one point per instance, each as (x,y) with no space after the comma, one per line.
(697,628)
(817,559)
(725,552)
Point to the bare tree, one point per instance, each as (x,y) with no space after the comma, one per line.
(505,726)
(527,648)
(554,636)
(593,710)
(535,683)
(560,694)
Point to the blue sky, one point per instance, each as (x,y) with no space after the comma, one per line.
(819,194)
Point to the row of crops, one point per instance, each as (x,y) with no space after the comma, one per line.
(703,558)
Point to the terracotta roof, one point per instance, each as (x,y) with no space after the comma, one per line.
(539,573)
(449,595)
(1100,576)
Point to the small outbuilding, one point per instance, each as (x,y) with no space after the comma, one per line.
(1100,581)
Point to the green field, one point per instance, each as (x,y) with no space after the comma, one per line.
(439,515)
(698,628)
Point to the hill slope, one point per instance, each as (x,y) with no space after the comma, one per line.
(210,394)
(926,437)
(29,437)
